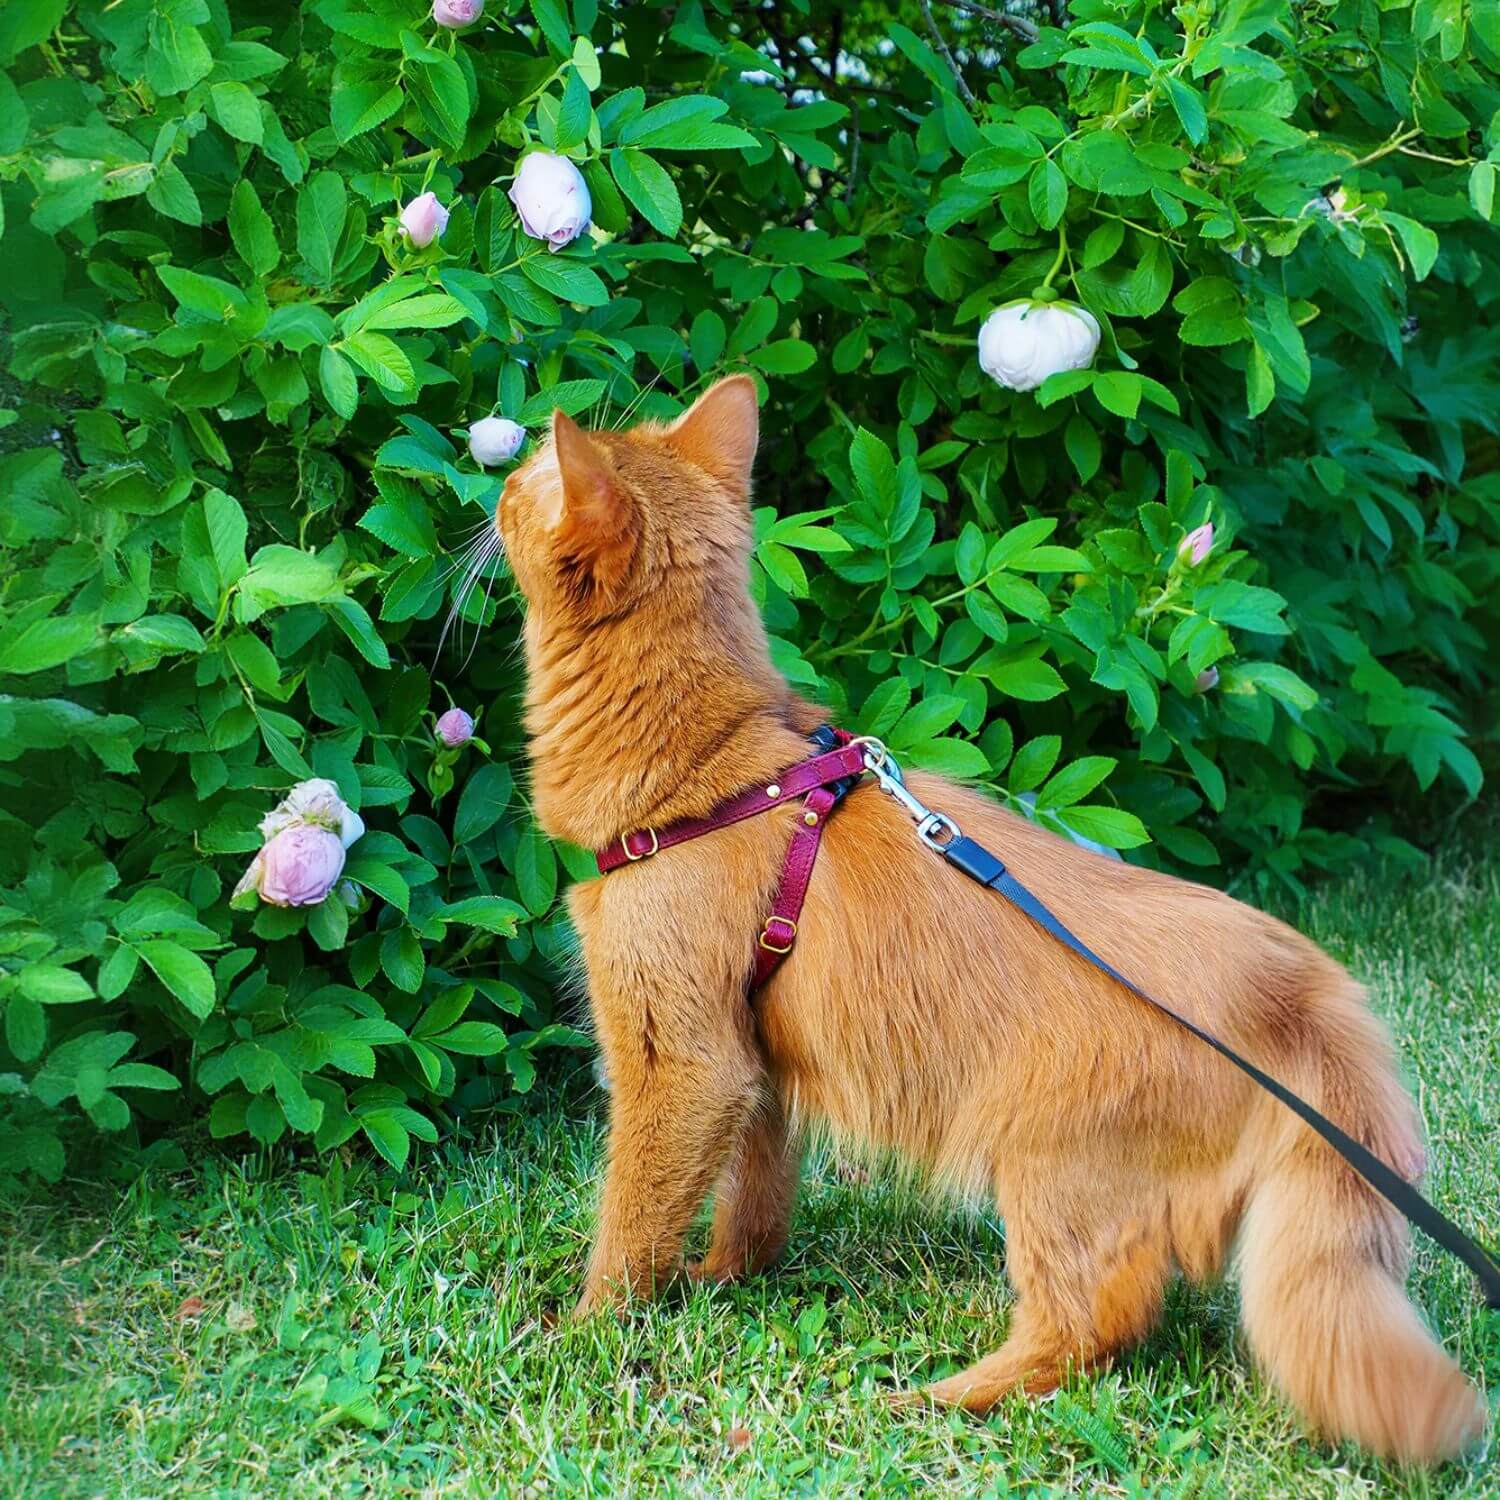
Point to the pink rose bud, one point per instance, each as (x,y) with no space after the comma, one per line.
(1197,544)
(423,220)
(552,199)
(455,728)
(300,865)
(495,440)
(456,14)
(1207,680)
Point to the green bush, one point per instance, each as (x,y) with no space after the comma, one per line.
(235,496)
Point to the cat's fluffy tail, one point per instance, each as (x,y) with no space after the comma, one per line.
(1323,1261)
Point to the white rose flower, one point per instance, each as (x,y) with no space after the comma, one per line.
(495,440)
(1024,342)
(552,199)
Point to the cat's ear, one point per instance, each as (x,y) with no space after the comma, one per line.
(719,431)
(599,527)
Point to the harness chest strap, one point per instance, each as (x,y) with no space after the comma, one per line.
(821,782)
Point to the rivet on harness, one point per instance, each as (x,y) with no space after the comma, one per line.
(824,780)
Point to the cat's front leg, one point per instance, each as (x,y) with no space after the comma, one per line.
(683,1078)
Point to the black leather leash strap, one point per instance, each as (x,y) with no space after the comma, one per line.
(979,864)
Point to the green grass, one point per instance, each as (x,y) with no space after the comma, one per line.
(257,1326)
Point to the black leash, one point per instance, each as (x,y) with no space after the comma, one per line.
(979,864)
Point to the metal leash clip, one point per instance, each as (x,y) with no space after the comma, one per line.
(881,764)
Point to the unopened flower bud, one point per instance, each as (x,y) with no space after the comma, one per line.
(495,440)
(552,199)
(455,728)
(423,220)
(1197,544)
(456,14)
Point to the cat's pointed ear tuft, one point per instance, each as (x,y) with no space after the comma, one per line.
(719,432)
(598,529)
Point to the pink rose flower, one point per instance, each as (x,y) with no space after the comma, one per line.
(300,866)
(1207,680)
(455,728)
(1197,544)
(318,802)
(423,220)
(456,14)
(552,199)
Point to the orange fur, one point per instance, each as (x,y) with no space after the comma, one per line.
(920,1013)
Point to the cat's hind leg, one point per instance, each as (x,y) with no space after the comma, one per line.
(1089,1285)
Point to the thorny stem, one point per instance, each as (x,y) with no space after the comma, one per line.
(1027,31)
(1395,143)
(948,57)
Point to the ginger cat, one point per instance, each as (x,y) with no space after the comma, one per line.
(920,1013)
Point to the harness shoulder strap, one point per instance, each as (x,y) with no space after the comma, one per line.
(979,864)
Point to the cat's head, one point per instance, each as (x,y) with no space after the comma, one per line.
(596,522)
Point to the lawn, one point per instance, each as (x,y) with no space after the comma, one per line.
(259,1325)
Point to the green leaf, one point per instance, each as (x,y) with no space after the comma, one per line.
(381,359)
(885,705)
(321,212)
(1075,781)
(574,115)
(686,122)
(490,913)
(45,643)
(402,522)
(1033,681)
(1032,763)
(648,185)
(1119,391)
(566,278)
(25,1027)
(358,105)
(251,229)
(1191,110)
(171,194)
(433,310)
(1111,826)
(485,796)
(874,471)
(473,1039)
(1482,189)
(52,984)
(207,295)
(340,388)
(237,110)
(182,972)
(377,876)
(1244,606)
(387,1135)
(402,959)
(924,720)
(536,871)
(1047,192)
(441,91)
(1420,242)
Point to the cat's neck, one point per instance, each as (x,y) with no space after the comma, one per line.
(637,727)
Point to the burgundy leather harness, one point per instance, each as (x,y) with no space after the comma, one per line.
(821,782)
